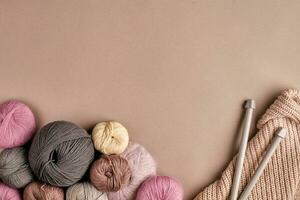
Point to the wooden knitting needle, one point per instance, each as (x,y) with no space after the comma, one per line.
(249,106)
(280,134)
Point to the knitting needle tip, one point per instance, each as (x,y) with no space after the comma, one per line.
(281,132)
(250,104)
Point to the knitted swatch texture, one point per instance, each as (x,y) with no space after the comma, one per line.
(282,175)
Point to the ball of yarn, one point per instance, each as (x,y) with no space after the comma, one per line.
(142,166)
(110,137)
(160,187)
(61,153)
(110,173)
(17,124)
(14,167)
(42,191)
(84,191)
(8,193)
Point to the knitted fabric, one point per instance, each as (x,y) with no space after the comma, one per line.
(282,175)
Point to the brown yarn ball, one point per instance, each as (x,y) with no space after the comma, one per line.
(42,191)
(110,173)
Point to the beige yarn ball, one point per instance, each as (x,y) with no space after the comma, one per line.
(84,191)
(42,191)
(110,137)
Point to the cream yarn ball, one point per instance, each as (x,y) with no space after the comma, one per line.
(110,137)
(84,191)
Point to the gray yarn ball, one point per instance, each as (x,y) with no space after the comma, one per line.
(14,167)
(61,153)
(84,191)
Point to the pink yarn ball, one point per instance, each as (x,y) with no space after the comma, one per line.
(9,193)
(142,165)
(17,124)
(160,187)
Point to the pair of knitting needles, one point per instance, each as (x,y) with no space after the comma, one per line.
(280,134)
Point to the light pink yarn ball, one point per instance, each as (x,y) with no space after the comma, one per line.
(142,165)
(8,193)
(160,187)
(17,124)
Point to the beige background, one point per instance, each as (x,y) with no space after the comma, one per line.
(174,72)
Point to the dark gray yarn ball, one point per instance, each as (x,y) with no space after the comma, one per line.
(61,153)
(14,167)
